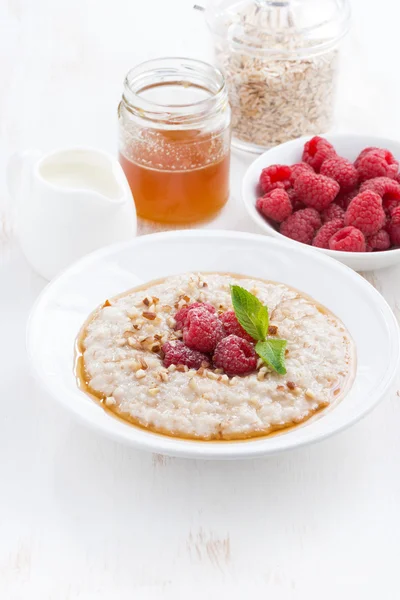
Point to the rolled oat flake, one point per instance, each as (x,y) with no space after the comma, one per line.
(280,62)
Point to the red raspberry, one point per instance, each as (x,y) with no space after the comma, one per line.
(316,191)
(301,225)
(273,177)
(295,202)
(366,213)
(377,163)
(235,356)
(324,234)
(343,200)
(342,171)
(233,327)
(297,169)
(202,330)
(348,239)
(182,313)
(176,353)
(379,240)
(397,178)
(393,227)
(316,151)
(388,189)
(363,153)
(331,212)
(275,205)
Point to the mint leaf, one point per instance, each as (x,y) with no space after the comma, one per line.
(250,312)
(272,351)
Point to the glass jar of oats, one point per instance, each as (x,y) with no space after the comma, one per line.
(280,61)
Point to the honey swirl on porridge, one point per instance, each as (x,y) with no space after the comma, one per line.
(338,387)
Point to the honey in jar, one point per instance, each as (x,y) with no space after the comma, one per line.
(174,140)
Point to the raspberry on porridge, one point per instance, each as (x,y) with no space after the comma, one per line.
(191,371)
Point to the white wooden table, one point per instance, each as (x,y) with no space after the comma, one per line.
(84,518)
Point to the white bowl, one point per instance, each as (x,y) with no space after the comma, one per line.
(347,145)
(67,301)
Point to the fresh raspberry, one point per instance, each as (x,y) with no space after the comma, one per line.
(233,327)
(331,212)
(235,356)
(316,191)
(377,163)
(295,202)
(342,171)
(324,234)
(273,177)
(176,353)
(348,239)
(393,228)
(379,240)
(275,205)
(388,189)
(363,153)
(301,225)
(202,330)
(297,169)
(343,200)
(182,313)
(397,178)
(316,151)
(366,213)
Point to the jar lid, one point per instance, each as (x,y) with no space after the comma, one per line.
(279,26)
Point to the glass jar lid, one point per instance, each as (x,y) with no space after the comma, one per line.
(279,26)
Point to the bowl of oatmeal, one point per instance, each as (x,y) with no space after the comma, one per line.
(213,344)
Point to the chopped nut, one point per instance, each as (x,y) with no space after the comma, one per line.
(166,308)
(137,327)
(291,385)
(157,336)
(309,394)
(171,322)
(154,391)
(280,388)
(163,376)
(155,348)
(143,363)
(182,368)
(272,330)
(172,368)
(224,378)
(155,300)
(106,303)
(218,371)
(134,343)
(110,401)
(336,392)
(200,371)
(146,301)
(186,298)
(204,284)
(149,315)
(286,352)
(140,374)
(212,375)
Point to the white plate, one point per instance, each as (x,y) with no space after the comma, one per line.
(67,301)
(346,144)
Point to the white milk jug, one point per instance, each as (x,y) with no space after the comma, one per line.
(69,202)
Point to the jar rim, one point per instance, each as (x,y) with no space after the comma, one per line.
(226,26)
(174,70)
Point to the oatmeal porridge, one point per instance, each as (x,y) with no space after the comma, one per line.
(177,357)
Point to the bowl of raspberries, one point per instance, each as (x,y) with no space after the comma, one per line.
(339,194)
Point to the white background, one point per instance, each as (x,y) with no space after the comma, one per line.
(83,518)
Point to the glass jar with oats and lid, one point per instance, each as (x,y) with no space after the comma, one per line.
(280,62)
(174,141)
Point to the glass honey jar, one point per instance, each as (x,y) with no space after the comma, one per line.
(174,140)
